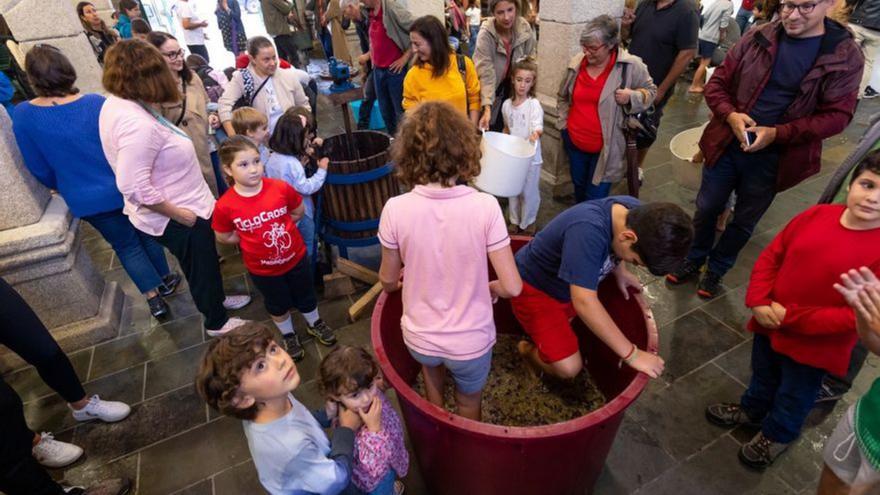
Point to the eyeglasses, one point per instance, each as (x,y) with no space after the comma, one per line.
(173,55)
(594,49)
(804,8)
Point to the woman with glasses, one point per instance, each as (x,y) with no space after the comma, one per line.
(190,114)
(603,84)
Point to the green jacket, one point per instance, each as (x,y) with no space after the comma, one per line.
(275,16)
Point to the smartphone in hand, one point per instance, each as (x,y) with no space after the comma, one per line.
(750,138)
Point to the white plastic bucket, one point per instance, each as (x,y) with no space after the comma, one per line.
(504,165)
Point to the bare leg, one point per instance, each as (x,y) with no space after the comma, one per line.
(830,484)
(700,76)
(434,378)
(565,368)
(468,405)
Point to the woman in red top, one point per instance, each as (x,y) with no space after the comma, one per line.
(592,106)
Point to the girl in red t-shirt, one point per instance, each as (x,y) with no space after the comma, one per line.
(259,214)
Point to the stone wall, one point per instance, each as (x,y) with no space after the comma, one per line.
(55,22)
(561,24)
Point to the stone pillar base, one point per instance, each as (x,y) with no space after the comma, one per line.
(47,264)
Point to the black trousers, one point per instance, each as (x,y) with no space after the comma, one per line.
(194,248)
(287,49)
(20,473)
(199,50)
(24,334)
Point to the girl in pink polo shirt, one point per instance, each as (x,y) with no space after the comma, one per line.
(441,232)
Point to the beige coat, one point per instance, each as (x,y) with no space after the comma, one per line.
(195,125)
(288,90)
(490,57)
(611,165)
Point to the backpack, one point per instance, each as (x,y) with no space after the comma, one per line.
(247,99)
(212,87)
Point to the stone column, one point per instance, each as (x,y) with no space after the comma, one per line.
(55,22)
(42,257)
(427,7)
(561,24)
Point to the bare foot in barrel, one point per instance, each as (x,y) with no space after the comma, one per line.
(527,350)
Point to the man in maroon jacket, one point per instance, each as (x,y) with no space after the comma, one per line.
(781,90)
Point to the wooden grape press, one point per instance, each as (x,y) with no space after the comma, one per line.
(360,180)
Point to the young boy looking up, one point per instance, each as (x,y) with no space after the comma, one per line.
(246,375)
(562,266)
(803,327)
(254,124)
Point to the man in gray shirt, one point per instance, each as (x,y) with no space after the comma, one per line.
(716,17)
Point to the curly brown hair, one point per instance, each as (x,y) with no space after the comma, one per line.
(346,370)
(136,70)
(225,361)
(436,143)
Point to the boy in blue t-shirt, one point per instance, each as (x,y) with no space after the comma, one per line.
(563,265)
(247,375)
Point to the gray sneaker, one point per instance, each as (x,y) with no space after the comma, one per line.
(294,347)
(760,452)
(728,414)
(322,332)
(113,486)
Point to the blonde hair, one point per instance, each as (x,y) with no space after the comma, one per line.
(248,119)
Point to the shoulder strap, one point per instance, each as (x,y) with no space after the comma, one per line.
(623,75)
(252,98)
(462,69)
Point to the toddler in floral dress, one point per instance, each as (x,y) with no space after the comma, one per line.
(350,379)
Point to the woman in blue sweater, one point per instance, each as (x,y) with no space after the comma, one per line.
(57,133)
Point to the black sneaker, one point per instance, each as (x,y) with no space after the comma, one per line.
(869,93)
(760,452)
(169,284)
(685,272)
(322,332)
(828,393)
(294,347)
(709,286)
(728,414)
(158,307)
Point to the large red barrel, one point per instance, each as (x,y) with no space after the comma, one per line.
(458,456)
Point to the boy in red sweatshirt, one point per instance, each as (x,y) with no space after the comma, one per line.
(803,327)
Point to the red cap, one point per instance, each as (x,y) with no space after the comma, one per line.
(242,61)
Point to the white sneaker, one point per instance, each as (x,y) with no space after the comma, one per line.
(105,410)
(236,302)
(55,454)
(231,323)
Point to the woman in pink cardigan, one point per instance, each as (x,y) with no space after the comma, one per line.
(158,174)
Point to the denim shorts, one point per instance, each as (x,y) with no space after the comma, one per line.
(470,375)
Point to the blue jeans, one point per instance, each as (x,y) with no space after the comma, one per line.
(386,486)
(389,93)
(782,391)
(306,227)
(367,103)
(742,19)
(142,257)
(582,165)
(753,177)
(470,375)
(222,186)
(472,43)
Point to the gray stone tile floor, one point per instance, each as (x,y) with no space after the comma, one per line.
(172,443)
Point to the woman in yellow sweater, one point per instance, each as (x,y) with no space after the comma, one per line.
(436,75)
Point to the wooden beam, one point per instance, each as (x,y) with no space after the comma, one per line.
(357,271)
(356,309)
(337,284)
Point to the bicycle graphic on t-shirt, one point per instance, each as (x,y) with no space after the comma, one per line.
(278,238)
